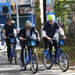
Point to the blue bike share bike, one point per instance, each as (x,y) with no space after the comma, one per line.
(61,58)
(13,52)
(32,58)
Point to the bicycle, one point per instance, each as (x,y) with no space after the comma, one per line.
(61,57)
(32,59)
(13,48)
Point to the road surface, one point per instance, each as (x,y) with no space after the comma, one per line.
(12,69)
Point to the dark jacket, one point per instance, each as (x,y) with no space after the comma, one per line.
(22,32)
(50,29)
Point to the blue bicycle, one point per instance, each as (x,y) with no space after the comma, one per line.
(13,52)
(61,57)
(32,58)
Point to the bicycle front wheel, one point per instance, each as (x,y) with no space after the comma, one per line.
(46,59)
(34,63)
(64,61)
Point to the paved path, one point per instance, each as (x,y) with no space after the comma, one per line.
(12,69)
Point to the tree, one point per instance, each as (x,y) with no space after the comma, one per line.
(66,10)
(38,18)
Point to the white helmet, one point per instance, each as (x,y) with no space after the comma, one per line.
(28,24)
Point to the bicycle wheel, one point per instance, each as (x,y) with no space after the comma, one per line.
(46,59)
(23,62)
(23,67)
(15,56)
(64,61)
(34,63)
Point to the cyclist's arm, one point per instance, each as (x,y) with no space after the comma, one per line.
(45,36)
(20,37)
(36,32)
(44,32)
(16,30)
(61,32)
(4,33)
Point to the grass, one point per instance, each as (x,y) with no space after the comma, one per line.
(70,50)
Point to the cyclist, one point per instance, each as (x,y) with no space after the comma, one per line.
(7,30)
(50,30)
(25,32)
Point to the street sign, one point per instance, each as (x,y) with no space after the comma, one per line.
(48,8)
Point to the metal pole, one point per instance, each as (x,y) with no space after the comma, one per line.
(17,14)
(44,10)
(32,11)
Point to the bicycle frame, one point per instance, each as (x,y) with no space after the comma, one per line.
(28,58)
(55,59)
(57,55)
(12,50)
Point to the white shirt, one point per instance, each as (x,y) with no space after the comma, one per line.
(27,32)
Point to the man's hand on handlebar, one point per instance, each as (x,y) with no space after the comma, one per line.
(64,37)
(22,39)
(49,38)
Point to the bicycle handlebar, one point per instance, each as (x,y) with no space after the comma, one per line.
(54,39)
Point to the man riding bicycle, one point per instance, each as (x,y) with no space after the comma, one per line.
(50,30)
(25,33)
(7,30)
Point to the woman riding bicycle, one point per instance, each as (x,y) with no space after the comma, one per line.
(49,31)
(24,33)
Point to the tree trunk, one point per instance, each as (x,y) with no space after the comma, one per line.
(38,19)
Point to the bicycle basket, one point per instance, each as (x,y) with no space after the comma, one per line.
(62,42)
(33,43)
(12,40)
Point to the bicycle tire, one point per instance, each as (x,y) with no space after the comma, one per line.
(23,64)
(23,67)
(48,59)
(15,56)
(67,61)
(34,68)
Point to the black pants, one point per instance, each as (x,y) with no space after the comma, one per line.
(48,43)
(22,51)
(8,47)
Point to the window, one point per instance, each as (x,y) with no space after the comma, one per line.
(5,9)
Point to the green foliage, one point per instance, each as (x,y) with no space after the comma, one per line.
(63,7)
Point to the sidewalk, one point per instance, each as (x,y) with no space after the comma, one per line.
(12,69)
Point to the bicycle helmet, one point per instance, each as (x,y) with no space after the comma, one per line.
(28,24)
(51,17)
